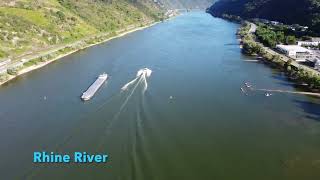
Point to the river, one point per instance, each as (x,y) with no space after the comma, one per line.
(191,122)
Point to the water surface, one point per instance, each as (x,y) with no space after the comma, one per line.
(192,122)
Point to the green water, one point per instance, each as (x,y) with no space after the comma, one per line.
(192,122)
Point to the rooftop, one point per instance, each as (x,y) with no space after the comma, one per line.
(294,48)
(315,39)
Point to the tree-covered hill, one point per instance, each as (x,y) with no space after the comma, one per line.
(304,12)
(27,26)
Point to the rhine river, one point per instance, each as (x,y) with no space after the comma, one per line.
(189,120)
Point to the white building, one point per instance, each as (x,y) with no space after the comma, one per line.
(313,42)
(315,39)
(308,43)
(296,52)
(274,23)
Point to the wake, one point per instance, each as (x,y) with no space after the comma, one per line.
(290,92)
(141,78)
(142,75)
(127,91)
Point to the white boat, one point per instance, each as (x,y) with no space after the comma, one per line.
(268,94)
(248,85)
(242,90)
(89,93)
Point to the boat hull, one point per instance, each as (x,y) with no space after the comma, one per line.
(91,91)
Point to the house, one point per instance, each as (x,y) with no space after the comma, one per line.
(308,43)
(315,39)
(312,42)
(275,23)
(296,52)
(298,28)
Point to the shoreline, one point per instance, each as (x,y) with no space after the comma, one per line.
(298,73)
(42,64)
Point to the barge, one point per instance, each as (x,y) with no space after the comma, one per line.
(89,93)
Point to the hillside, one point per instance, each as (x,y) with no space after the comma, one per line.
(27,26)
(303,12)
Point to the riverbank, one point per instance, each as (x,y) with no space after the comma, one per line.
(295,71)
(45,58)
(44,108)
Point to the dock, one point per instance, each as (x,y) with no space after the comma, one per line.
(89,93)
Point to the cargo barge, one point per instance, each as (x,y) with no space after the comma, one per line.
(87,95)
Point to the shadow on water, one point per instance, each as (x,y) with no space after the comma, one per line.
(231,44)
(311,108)
(284,80)
(278,76)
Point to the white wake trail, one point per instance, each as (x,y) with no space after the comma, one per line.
(129,90)
(125,87)
(141,76)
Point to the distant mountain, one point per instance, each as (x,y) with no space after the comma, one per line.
(177,4)
(304,12)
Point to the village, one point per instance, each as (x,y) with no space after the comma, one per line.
(305,50)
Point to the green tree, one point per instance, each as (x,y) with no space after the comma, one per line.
(61,15)
(267,36)
(280,37)
(291,40)
(248,47)
(13,71)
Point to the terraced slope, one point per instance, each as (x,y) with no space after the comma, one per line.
(27,26)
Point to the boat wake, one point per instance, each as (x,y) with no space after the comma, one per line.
(142,76)
(116,103)
(289,92)
(127,92)
(120,117)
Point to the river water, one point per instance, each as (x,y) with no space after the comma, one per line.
(188,120)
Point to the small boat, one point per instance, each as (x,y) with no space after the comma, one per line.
(87,95)
(248,85)
(242,90)
(268,94)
